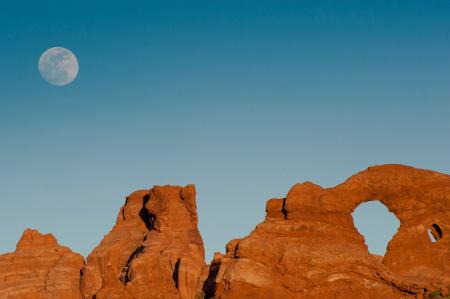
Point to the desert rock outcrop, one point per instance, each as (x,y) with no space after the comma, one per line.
(154,251)
(40,269)
(307,247)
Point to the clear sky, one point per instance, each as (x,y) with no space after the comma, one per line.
(242,98)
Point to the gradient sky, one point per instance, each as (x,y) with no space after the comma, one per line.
(242,98)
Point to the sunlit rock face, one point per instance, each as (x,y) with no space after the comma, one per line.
(40,268)
(154,251)
(307,247)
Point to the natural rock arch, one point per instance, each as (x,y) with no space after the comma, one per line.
(418,198)
(315,251)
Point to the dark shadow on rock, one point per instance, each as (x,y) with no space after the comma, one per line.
(124,278)
(209,286)
(146,216)
(175,273)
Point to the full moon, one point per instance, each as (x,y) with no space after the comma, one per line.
(58,66)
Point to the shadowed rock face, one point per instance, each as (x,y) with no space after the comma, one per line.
(307,247)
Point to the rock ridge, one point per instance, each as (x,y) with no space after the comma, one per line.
(307,247)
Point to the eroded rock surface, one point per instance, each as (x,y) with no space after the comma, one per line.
(154,251)
(308,246)
(39,269)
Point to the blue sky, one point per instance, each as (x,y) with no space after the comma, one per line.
(242,98)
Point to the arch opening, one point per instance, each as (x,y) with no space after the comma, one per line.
(434,233)
(376,224)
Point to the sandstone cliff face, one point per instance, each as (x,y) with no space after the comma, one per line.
(307,247)
(40,268)
(154,251)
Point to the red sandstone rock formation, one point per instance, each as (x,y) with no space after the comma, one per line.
(40,268)
(307,247)
(154,251)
